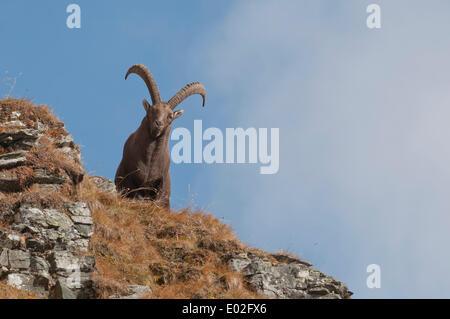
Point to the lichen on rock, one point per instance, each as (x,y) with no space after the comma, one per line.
(43,250)
(290,279)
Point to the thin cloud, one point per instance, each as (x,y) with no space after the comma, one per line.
(363,131)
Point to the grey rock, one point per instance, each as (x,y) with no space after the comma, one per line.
(61,291)
(65,141)
(134,292)
(264,285)
(330,296)
(72,152)
(47,218)
(289,278)
(81,244)
(82,220)
(9,240)
(21,281)
(41,253)
(56,219)
(37,245)
(290,259)
(19,259)
(44,281)
(64,262)
(13,159)
(53,229)
(4,261)
(257,267)
(318,291)
(23,139)
(73,272)
(15,115)
(40,269)
(43,176)
(78,209)
(55,188)
(104,184)
(139,291)
(14,123)
(41,126)
(30,215)
(9,181)
(84,230)
(237,264)
(39,265)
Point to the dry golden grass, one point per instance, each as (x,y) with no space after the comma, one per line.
(9,292)
(177,254)
(29,114)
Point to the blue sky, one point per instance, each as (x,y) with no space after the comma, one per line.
(363,117)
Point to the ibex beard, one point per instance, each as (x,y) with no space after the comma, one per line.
(143,172)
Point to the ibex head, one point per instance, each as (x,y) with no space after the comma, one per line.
(161,114)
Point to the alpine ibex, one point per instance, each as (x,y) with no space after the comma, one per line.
(144,170)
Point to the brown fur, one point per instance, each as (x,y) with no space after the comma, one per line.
(143,172)
(144,169)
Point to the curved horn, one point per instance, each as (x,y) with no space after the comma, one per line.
(188,90)
(148,78)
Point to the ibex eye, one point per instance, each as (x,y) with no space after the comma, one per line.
(169,116)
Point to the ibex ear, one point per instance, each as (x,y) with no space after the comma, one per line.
(146,105)
(177,114)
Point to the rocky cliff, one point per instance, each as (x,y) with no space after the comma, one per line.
(64,234)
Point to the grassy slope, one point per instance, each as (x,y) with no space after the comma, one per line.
(8,292)
(178,254)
